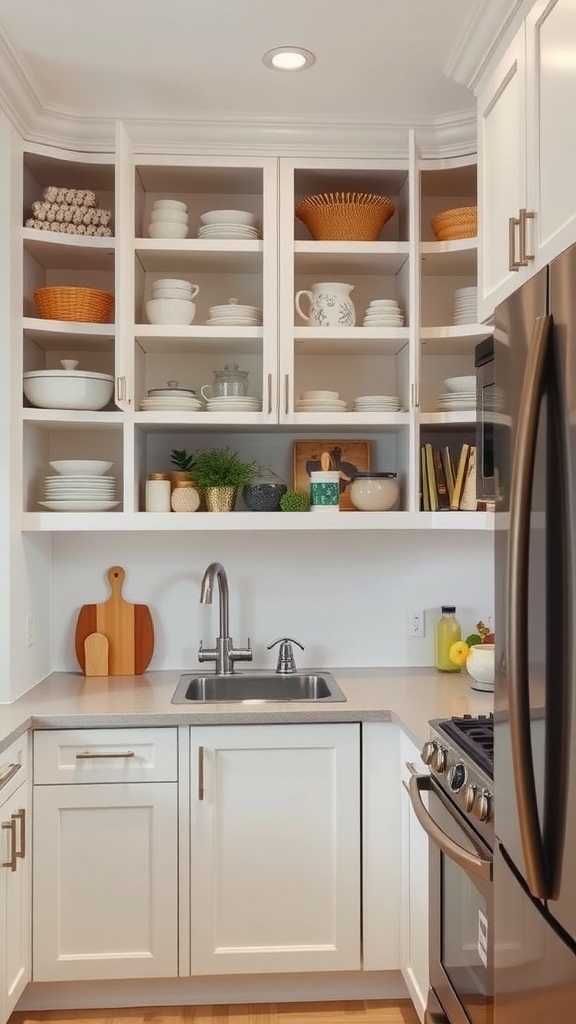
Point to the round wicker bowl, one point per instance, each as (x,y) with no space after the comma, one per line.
(345,216)
(66,302)
(461,222)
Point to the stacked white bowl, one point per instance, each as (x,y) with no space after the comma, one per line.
(168,219)
(464,308)
(383,313)
(236,224)
(460,394)
(320,401)
(172,301)
(80,486)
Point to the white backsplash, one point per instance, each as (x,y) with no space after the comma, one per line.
(345,596)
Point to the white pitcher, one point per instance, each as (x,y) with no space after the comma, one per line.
(330,305)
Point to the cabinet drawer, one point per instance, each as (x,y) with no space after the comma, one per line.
(64,756)
(13,766)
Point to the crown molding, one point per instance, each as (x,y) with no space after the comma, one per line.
(491,25)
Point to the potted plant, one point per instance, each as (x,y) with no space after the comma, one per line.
(220,472)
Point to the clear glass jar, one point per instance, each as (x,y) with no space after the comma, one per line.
(447,633)
(374,492)
(229,382)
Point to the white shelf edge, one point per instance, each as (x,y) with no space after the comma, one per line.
(61,238)
(195,331)
(465,417)
(30,323)
(353,333)
(454,245)
(352,248)
(198,245)
(455,331)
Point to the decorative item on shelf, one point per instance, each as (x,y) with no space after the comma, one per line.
(70,211)
(220,472)
(184,497)
(231,382)
(295,501)
(461,222)
(330,305)
(325,487)
(234,314)
(185,469)
(347,457)
(345,216)
(68,388)
(158,492)
(68,302)
(476,652)
(128,628)
(264,491)
(375,492)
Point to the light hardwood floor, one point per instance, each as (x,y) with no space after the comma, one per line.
(357,1012)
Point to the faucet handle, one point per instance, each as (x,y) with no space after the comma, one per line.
(241,653)
(286,662)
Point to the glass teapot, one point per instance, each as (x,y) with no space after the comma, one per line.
(227,382)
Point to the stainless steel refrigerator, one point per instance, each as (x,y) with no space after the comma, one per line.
(531,421)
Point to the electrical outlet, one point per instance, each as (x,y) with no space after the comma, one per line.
(416,623)
(30,630)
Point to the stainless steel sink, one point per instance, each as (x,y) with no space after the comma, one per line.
(256,686)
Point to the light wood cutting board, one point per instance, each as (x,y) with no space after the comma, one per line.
(128,628)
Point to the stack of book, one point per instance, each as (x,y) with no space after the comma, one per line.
(448,479)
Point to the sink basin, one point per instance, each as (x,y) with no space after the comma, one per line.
(259,687)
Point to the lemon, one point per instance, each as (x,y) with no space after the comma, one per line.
(458,652)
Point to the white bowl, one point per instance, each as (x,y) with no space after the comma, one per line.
(229,217)
(456,384)
(170,311)
(81,467)
(167,229)
(172,282)
(171,293)
(480,665)
(315,395)
(169,204)
(175,216)
(68,389)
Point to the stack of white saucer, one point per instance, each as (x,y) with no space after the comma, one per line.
(320,401)
(76,489)
(464,308)
(235,224)
(377,403)
(383,313)
(233,403)
(234,314)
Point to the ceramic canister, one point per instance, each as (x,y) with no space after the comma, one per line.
(325,490)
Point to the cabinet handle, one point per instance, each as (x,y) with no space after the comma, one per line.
(286,393)
(200,773)
(121,389)
(414,395)
(11,826)
(513,263)
(525,257)
(269,392)
(7,773)
(86,755)
(20,816)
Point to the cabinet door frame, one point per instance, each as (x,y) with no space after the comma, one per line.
(15,901)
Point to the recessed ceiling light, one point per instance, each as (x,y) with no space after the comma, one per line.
(288,58)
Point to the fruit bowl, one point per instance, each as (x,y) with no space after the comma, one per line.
(480,665)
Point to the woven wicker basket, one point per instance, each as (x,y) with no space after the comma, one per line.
(464,230)
(64,302)
(461,222)
(345,216)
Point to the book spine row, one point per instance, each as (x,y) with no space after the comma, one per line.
(448,482)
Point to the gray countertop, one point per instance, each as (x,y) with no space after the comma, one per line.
(409,696)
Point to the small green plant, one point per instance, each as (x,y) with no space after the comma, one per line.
(295,501)
(222,467)
(182,460)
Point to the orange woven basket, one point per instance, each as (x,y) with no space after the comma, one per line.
(66,302)
(461,222)
(345,216)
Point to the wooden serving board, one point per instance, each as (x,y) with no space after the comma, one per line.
(127,627)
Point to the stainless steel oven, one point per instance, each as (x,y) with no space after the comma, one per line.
(458,821)
(487,407)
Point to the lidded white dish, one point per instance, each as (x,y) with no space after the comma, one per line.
(68,388)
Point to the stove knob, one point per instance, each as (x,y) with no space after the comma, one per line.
(428,752)
(439,759)
(468,797)
(483,805)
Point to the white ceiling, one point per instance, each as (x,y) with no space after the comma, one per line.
(197,59)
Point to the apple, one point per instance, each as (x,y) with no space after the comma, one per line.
(488,639)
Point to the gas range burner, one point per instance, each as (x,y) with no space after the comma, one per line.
(475,736)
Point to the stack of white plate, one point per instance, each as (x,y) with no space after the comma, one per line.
(75,489)
(383,313)
(320,401)
(171,399)
(228,224)
(233,403)
(464,308)
(377,403)
(234,314)
(451,401)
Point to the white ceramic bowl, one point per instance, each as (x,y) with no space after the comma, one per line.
(175,216)
(169,204)
(81,467)
(68,389)
(170,311)
(480,665)
(229,217)
(314,395)
(167,229)
(456,384)
(171,293)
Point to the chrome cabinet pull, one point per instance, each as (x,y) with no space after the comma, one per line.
(200,773)
(121,389)
(20,816)
(11,827)
(269,392)
(87,755)
(286,393)
(7,773)
(524,256)
(513,263)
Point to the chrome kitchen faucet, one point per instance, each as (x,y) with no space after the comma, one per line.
(223,654)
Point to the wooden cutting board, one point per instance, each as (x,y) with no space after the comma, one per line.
(127,627)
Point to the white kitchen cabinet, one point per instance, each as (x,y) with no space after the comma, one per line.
(527,150)
(105,857)
(413,885)
(275,848)
(15,902)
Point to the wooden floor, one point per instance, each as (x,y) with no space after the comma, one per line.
(358,1012)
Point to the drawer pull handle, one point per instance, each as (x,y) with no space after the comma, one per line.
(200,773)
(11,826)
(87,755)
(7,773)
(20,816)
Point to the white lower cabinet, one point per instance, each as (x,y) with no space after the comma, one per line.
(413,886)
(275,848)
(14,881)
(105,878)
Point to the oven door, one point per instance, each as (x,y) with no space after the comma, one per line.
(461,970)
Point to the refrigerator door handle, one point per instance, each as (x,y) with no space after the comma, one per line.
(517,610)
